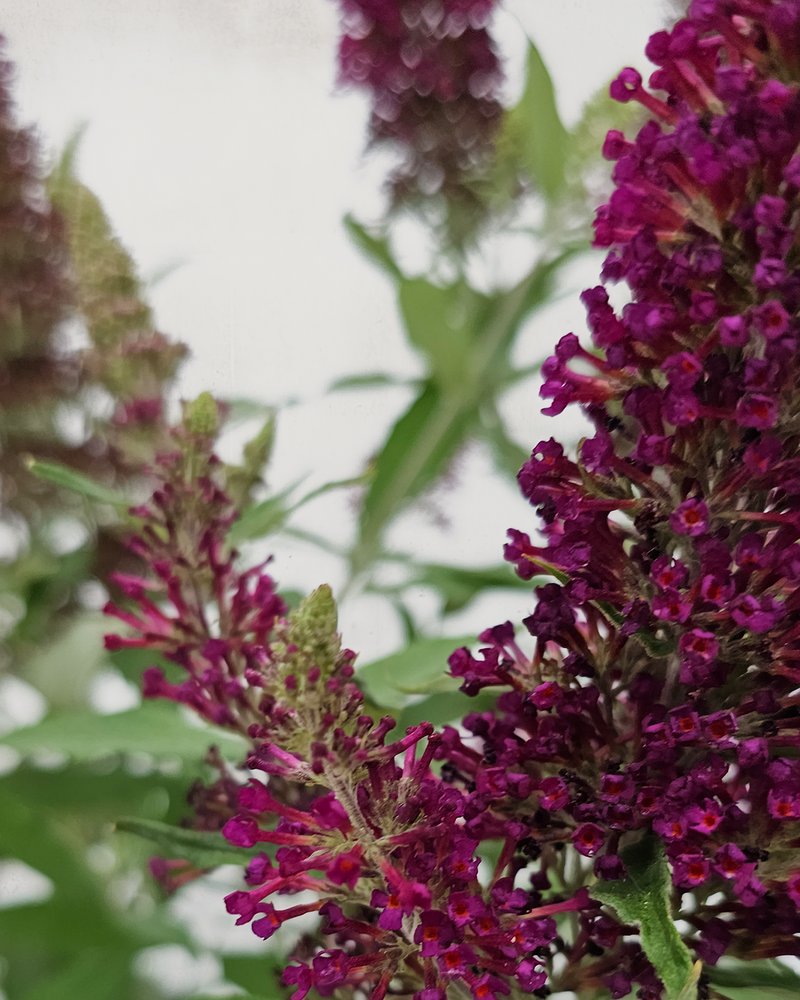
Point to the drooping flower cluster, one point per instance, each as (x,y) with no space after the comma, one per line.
(389,850)
(434,77)
(662,693)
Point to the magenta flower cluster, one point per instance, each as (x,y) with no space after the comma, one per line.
(389,849)
(661,695)
(663,687)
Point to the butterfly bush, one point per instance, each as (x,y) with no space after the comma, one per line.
(660,694)
(434,76)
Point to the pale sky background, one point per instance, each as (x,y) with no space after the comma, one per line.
(216,137)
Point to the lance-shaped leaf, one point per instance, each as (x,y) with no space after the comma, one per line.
(67,478)
(263,518)
(420,668)
(419,448)
(203,849)
(458,585)
(757,980)
(155,728)
(643,898)
(260,974)
(271,514)
(374,247)
(537,128)
(467,338)
(93,974)
(375,380)
(444,323)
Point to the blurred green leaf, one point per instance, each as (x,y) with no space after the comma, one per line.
(159,274)
(767,979)
(239,411)
(131,663)
(376,248)
(758,993)
(81,790)
(94,974)
(459,586)
(202,848)
(420,667)
(271,514)
(378,380)
(155,728)
(470,367)
(447,706)
(420,447)
(601,113)
(536,125)
(263,518)
(339,484)
(61,475)
(643,898)
(442,323)
(256,972)
(77,914)
(44,582)
(28,833)
(79,647)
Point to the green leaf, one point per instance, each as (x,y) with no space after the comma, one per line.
(442,323)
(93,975)
(132,663)
(459,585)
(339,484)
(80,645)
(239,411)
(467,337)
(77,914)
(155,728)
(761,977)
(537,127)
(163,271)
(262,972)
(376,248)
(201,848)
(758,993)
(419,668)
(271,514)
(420,447)
(601,113)
(98,795)
(243,996)
(643,898)
(447,706)
(263,518)
(61,475)
(377,380)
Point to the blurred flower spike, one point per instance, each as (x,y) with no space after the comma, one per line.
(434,77)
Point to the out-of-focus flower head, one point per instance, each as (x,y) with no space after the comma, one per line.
(434,76)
